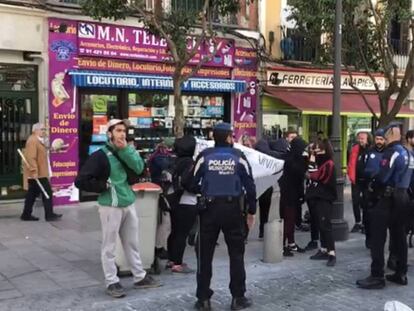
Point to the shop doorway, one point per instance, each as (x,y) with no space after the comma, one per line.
(96,108)
(18,111)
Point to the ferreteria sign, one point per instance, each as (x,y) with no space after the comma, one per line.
(320,80)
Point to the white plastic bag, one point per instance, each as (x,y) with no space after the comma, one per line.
(396,306)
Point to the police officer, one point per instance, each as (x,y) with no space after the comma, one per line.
(372,161)
(392,182)
(223,174)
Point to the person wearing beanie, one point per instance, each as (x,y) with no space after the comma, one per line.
(372,162)
(221,176)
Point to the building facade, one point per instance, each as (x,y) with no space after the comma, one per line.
(296,95)
(94,71)
(23,72)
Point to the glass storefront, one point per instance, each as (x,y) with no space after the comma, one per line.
(151,116)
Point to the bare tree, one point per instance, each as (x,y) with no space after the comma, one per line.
(176,26)
(367,46)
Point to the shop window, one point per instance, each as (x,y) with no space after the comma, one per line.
(152,115)
(275,125)
(17,77)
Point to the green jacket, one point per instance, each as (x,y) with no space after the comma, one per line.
(120,194)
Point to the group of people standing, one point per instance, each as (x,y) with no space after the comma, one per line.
(217,192)
(382,181)
(308,176)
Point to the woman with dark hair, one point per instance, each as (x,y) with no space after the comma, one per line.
(291,193)
(321,193)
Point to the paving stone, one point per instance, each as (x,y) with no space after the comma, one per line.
(36,282)
(57,267)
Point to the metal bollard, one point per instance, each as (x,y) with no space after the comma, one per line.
(273,241)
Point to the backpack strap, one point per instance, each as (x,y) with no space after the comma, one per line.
(115,154)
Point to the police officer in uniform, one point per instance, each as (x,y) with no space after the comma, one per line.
(223,175)
(372,161)
(391,210)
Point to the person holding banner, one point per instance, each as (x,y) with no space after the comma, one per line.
(36,170)
(221,174)
(292,192)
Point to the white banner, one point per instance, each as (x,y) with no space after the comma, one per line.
(266,169)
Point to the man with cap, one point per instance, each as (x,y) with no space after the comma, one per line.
(36,154)
(222,175)
(104,172)
(391,182)
(372,161)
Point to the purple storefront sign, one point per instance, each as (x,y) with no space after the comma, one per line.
(63,112)
(74,44)
(244,111)
(123,42)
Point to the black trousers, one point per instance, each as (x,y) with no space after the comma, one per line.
(265,200)
(390,212)
(358,200)
(33,192)
(324,216)
(183,218)
(371,201)
(314,221)
(299,215)
(229,219)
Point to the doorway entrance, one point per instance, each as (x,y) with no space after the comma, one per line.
(97,107)
(18,112)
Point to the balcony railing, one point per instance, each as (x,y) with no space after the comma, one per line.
(295,48)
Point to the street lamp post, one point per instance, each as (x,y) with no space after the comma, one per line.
(339,225)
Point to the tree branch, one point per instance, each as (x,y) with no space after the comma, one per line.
(353,86)
(364,60)
(153,19)
(407,82)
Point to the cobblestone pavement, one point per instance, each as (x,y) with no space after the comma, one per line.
(56,266)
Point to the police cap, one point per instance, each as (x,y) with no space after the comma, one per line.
(392,125)
(223,127)
(379,133)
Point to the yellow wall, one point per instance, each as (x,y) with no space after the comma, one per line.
(271,15)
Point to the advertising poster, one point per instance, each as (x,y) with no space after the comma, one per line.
(123,42)
(63,112)
(244,115)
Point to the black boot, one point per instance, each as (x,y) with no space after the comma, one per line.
(311,245)
(287,252)
(371,282)
(240,303)
(400,279)
(203,305)
(392,263)
(320,255)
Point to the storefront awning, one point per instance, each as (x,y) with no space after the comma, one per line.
(321,102)
(105,79)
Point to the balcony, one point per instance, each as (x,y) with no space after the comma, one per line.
(295,48)
(298,49)
(400,49)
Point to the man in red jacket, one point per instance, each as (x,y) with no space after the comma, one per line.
(355,172)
